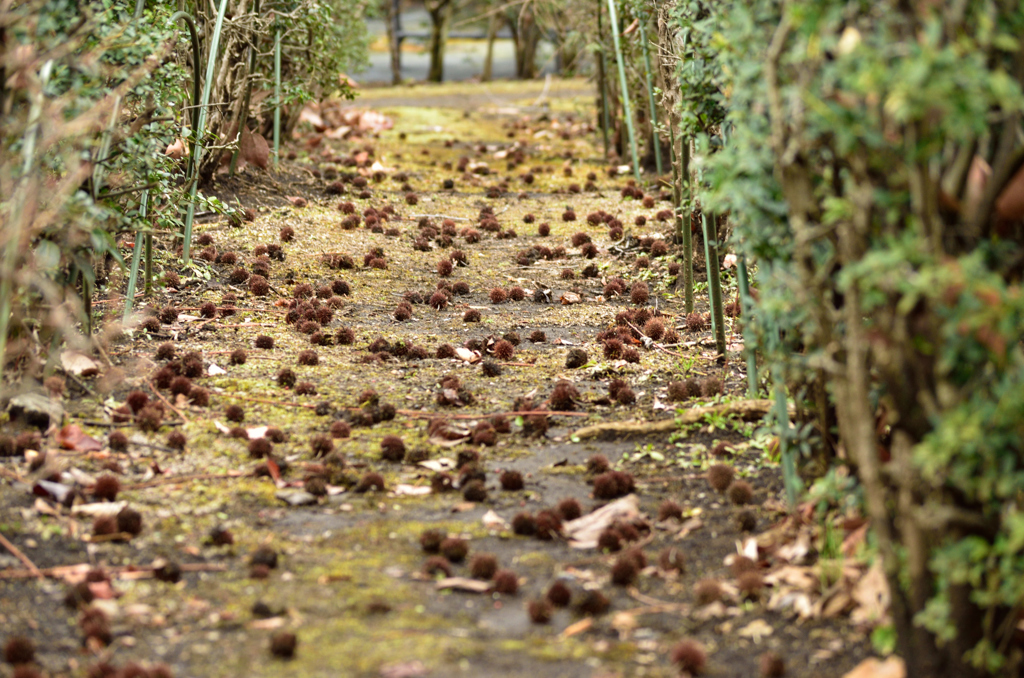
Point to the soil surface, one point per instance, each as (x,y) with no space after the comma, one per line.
(477,387)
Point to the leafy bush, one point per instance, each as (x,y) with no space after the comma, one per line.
(872,168)
(89,101)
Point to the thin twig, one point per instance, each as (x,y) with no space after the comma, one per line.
(274,402)
(654,343)
(437,216)
(417,414)
(166,402)
(11,475)
(126,572)
(172,480)
(25,560)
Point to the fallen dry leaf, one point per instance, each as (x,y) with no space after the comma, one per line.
(871,667)
(468,356)
(253,148)
(689,525)
(177,150)
(438,465)
(492,521)
(871,594)
(624,623)
(78,364)
(583,532)
(756,630)
(411,669)
(463,584)
(411,490)
(73,437)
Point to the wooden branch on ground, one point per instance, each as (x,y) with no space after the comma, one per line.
(12,476)
(268,401)
(744,409)
(165,401)
(33,571)
(417,414)
(172,480)
(126,572)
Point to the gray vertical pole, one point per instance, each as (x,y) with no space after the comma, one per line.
(277,96)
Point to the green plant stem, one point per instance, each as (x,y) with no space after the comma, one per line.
(789,476)
(13,246)
(746,307)
(108,134)
(199,131)
(148,289)
(277,96)
(133,273)
(650,95)
(714,281)
(680,168)
(627,108)
(602,82)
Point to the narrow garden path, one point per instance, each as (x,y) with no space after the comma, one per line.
(358,420)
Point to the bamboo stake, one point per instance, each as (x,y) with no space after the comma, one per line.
(650,95)
(602,75)
(199,131)
(277,96)
(133,275)
(746,307)
(714,281)
(626,106)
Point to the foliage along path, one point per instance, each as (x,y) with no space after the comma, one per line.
(406,328)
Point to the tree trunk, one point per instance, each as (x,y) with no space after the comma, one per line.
(492,35)
(394,25)
(527,39)
(440,19)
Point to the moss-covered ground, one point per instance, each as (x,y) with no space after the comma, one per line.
(349,579)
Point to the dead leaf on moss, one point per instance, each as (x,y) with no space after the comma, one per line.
(463,584)
(411,490)
(438,465)
(72,437)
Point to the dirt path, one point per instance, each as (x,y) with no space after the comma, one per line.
(350,577)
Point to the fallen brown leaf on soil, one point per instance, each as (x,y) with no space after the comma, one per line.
(871,667)
(583,532)
(72,437)
(78,363)
(577,628)
(872,596)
